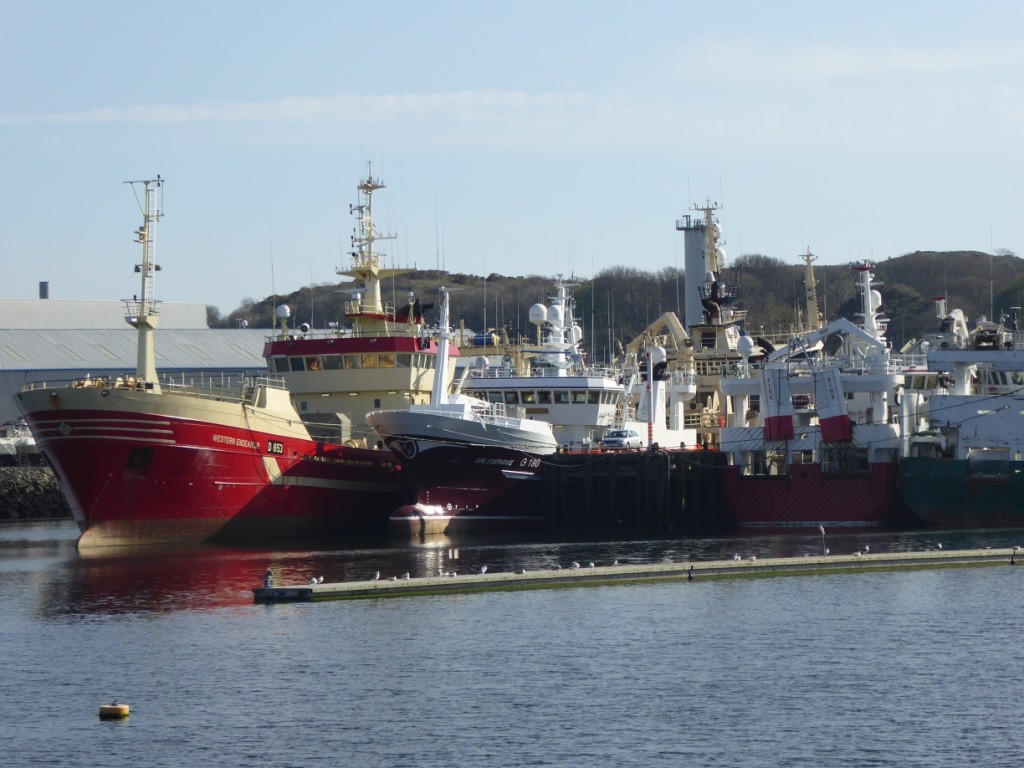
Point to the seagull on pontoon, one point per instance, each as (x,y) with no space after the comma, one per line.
(574,565)
(376,575)
(312,580)
(319,579)
(483,569)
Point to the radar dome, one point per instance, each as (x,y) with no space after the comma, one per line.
(876,300)
(745,346)
(538,314)
(283,312)
(555,315)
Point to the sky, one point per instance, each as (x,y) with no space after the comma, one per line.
(522,138)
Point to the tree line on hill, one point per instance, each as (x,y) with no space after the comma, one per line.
(617,304)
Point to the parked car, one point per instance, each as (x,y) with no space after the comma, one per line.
(621,439)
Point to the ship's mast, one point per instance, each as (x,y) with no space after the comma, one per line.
(444,336)
(142,309)
(870,301)
(813,314)
(713,233)
(704,259)
(367,310)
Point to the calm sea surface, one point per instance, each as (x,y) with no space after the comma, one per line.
(922,668)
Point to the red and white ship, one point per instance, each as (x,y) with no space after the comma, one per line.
(810,429)
(144,459)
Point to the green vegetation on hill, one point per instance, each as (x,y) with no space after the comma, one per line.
(619,303)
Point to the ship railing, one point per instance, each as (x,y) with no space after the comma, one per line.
(360,307)
(502,372)
(502,412)
(227,387)
(294,334)
(133,308)
(910,362)
(230,386)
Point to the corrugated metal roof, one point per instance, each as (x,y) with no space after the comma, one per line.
(65,313)
(102,349)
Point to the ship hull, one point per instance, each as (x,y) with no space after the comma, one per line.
(943,492)
(805,498)
(468,488)
(142,467)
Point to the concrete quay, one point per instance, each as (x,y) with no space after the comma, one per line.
(602,575)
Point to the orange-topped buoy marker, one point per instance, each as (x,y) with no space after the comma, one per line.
(113,711)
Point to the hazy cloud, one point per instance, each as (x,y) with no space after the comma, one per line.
(345,108)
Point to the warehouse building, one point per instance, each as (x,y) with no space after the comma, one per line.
(57,341)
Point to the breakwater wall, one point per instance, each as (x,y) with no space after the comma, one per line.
(31,493)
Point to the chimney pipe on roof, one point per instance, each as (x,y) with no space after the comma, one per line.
(44,289)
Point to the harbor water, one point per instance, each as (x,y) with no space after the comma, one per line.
(910,668)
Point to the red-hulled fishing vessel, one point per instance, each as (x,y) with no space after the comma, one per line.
(147,459)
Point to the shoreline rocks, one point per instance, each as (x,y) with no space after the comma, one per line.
(31,493)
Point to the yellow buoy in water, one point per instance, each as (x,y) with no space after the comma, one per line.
(113,711)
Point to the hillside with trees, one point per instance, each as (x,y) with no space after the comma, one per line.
(618,303)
